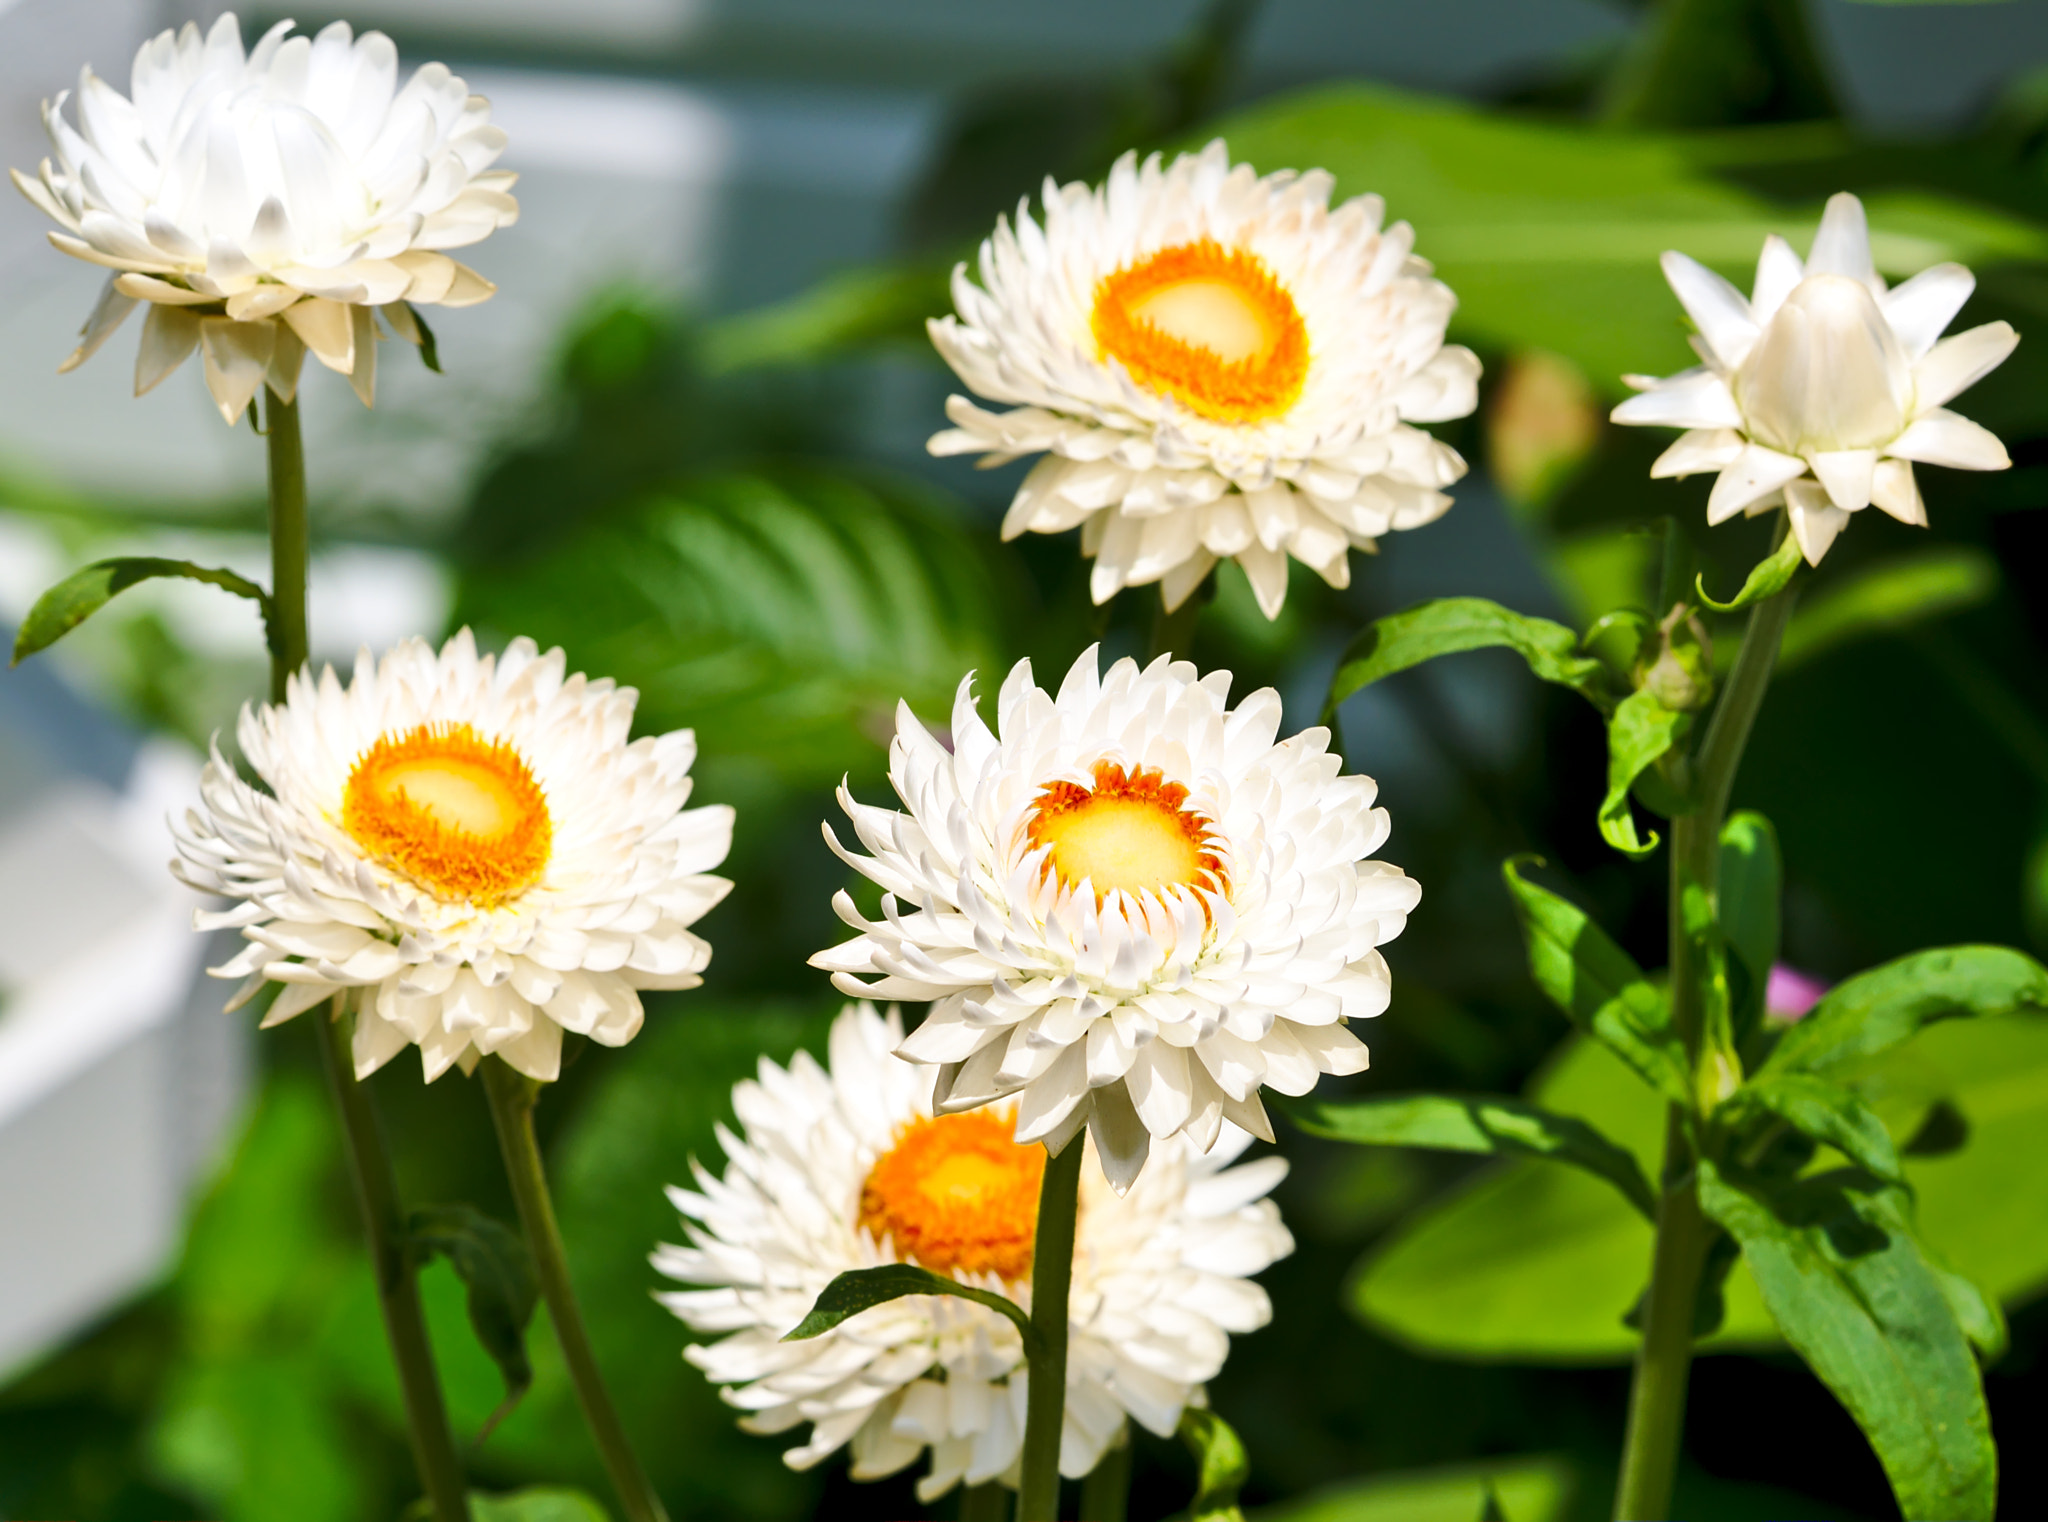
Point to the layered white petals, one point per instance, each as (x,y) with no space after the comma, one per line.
(1160,491)
(297,171)
(1821,388)
(1140,1016)
(1161,1277)
(626,875)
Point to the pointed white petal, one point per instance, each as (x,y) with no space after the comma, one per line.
(1955,364)
(1893,489)
(1846,475)
(1777,270)
(1815,520)
(1698,451)
(1842,245)
(1942,437)
(1920,308)
(169,335)
(1756,472)
(1691,399)
(1715,307)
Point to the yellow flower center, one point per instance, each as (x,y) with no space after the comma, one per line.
(1207,325)
(1131,832)
(458,814)
(957,1192)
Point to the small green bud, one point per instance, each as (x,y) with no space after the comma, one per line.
(1677,668)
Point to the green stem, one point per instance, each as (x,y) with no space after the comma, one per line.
(1052,1272)
(1106,1493)
(376,1188)
(512,1097)
(985,1503)
(398,1294)
(1656,1410)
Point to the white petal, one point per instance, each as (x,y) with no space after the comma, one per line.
(1893,489)
(1693,399)
(1697,451)
(1920,308)
(1846,475)
(1941,437)
(1955,364)
(1777,270)
(1815,520)
(1715,306)
(1756,473)
(1842,244)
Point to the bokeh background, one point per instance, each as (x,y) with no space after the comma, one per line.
(685,442)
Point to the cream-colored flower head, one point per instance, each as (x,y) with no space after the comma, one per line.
(1216,366)
(467,847)
(1821,390)
(1132,906)
(268,203)
(848,1168)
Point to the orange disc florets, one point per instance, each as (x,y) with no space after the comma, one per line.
(1210,326)
(458,814)
(1131,832)
(957,1192)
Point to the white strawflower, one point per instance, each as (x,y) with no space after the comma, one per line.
(848,1168)
(1216,365)
(1132,907)
(1820,391)
(469,841)
(268,203)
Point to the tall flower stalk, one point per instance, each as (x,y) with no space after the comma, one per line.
(1052,1273)
(393,1264)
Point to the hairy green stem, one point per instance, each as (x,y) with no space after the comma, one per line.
(512,1096)
(985,1503)
(1052,1272)
(1656,1409)
(376,1188)
(1106,1493)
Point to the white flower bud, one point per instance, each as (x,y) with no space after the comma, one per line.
(1827,372)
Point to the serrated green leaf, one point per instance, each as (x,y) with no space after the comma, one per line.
(1454,624)
(1854,1295)
(859,1289)
(496,1269)
(84,592)
(1876,1010)
(1639,731)
(1830,1114)
(1598,985)
(1766,578)
(1894,594)
(1751,873)
(1221,1467)
(1483,1124)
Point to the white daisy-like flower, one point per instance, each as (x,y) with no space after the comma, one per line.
(1216,366)
(1821,390)
(1131,906)
(268,203)
(849,1168)
(467,847)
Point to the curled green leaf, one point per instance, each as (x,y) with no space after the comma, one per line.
(1220,1463)
(1482,1124)
(84,592)
(1767,578)
(496,1269)
(1454,624)
(1640,730)
(859,1289)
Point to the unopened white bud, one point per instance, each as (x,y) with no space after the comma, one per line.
(1827,372)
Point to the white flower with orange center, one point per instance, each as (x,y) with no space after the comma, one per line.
(1132,906)
(268,203)
(1821,390)
(848,1168)
(464,847)
(1215,366)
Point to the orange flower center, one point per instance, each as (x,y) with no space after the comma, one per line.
(1207,325)
(1131,833)
(458,814)
(957,1192)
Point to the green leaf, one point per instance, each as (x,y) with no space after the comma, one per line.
(1536,1489)
(1895,594)
(849,310)
(1550,231)
(1854,1295)
(538,1503)
(858,1289)
(1767,578)
(496,1270)
(1876,1010)
(1830,1114)
(84,592)
(1751,873)
(1598,985)
(1221,1466)
(1454,624)
(1640,730)
(1484,1124)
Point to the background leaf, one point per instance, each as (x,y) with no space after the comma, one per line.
(1751,912)
(1890,595)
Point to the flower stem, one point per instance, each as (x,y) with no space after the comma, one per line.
(1106,1493)
(985,1503)
(1052,1272)
(376,1188)
(512,1096)
(1656,1410)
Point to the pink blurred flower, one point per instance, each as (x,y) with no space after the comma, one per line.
(1791,993)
